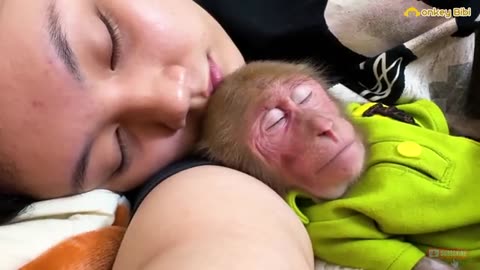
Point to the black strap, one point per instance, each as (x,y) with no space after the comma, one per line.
(138,195)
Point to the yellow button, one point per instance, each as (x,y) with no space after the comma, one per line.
(409,149)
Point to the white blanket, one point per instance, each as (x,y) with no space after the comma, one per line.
(45,224)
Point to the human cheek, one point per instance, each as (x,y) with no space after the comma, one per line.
(161,27)
(156,151)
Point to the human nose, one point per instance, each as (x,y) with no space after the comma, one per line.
(177,103)
(163,97)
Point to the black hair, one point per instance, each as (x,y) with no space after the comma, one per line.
(12,200)
(12,205)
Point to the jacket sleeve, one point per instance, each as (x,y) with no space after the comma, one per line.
(350,238)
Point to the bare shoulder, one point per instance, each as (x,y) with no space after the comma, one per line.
(214,211)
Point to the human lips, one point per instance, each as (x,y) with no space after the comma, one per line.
(215,73)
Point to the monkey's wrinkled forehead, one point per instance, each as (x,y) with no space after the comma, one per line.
(253,85)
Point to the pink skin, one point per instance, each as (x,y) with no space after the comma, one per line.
(300,132)
(171,55)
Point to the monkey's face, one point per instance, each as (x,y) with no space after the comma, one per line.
(300,131)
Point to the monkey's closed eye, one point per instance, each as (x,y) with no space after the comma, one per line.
(273,118)
(301,94)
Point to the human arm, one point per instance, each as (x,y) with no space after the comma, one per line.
(212,217)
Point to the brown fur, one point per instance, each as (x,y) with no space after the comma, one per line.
(221,140)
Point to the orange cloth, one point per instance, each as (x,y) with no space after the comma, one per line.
(78,232)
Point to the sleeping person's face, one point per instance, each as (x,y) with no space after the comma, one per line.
(101,93)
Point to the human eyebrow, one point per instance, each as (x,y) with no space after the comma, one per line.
(59,40)
(80,169)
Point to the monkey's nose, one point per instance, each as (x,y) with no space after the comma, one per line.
(327,133)
(323,127)
(330,134)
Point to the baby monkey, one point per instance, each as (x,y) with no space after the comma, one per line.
(372,182)
(276,121)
